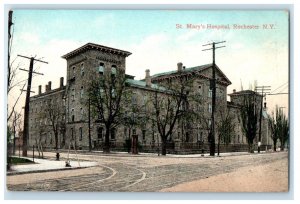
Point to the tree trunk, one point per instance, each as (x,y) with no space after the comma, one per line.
(218,145)
(163,146)
(250,148)
(106,146)
(56,140)
(274,145)
(281,146)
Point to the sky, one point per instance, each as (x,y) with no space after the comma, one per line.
(157,42)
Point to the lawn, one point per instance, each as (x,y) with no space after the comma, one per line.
(17,160)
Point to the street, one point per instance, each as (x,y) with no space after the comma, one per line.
(140,173)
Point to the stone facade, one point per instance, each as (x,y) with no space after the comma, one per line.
(92,61)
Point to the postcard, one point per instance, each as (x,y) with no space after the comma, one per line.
(148,100)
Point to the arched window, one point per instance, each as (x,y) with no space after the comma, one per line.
(81,92)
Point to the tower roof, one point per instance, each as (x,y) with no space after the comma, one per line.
(93,46)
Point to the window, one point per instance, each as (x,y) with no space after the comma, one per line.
(221,94)
(134,99)
(82,69)
(73,68)
(101,68)
(100,133)
(134,131)
(81,113)
(72,134)
(81,92)
(80,133)
(113,93)
(113,69)
(73,115)
(209,123)
(113,133)
(200,90)
(209,108)
(200,137)
(73,94)
(210,93)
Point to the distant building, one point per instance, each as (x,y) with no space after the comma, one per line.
(90,62)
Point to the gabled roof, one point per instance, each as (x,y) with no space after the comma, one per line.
(142,84)
(92,46)
(244,92)
(188,70)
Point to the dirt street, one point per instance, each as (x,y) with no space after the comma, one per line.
(267,172)
(272,177)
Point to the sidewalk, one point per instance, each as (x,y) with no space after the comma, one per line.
(144,154)
(44,165)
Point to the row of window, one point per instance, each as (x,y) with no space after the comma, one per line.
(101,68)
(73,93)
(73,114)
(219,94)
(41,104)
(99,133)
(42,122)
(81,70)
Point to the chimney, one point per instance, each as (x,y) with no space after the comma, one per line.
(234,90)
(46,88)
(49,86)
(148,78)
(183,67)
(40,89)
(61,82)
(179,66)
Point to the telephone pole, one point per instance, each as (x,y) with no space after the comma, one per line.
(264,90)
(213,87)
(26,109)
(89,123)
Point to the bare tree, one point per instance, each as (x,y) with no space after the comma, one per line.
(54,112)
(169,104)
(15,123)
(225,128)
(108,97)
(249,115)
(12,71)
(279,127)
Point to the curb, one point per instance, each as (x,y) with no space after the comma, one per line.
(12,173)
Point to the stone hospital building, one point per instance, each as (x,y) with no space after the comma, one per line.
(89,62)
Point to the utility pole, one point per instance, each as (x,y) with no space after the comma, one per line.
(10,23)
(264,90)
(89,115)
(26,109)
(213,87)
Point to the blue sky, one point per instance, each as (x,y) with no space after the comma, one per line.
(156,44)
